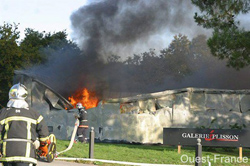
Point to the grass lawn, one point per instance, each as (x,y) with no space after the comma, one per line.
(154,154)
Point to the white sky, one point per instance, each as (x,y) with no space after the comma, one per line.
(40,15)
(52,16)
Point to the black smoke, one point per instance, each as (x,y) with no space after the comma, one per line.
(131,26)
(123,28)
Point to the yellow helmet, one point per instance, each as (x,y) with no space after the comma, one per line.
(18,91)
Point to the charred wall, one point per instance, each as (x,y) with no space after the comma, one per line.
(141,118)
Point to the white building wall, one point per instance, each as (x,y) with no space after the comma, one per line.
(142,119)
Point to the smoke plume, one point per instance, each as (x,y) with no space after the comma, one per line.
(131,26)
(127,27)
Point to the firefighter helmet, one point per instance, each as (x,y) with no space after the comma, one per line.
(18,91)
(79,105)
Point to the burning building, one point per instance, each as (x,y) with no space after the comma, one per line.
(142,118)
(125,28)
(58,112)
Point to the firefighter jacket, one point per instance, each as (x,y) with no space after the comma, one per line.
(19,128)
(83,122)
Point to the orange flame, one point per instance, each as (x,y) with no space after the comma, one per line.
(88,99)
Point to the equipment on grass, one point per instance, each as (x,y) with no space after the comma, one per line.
(48,153)
(52,153)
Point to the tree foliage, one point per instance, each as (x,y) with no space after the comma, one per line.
(232,44)
(229,41)
(113,58)
(38,46)
(157,70)
(34,49)
(177,54)
(10,57)
(220,14)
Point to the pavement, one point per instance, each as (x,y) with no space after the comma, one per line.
(72,162)
(61,163)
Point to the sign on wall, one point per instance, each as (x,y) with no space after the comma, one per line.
(209,137)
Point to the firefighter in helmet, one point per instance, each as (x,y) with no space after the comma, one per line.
(83,124)
(23,130)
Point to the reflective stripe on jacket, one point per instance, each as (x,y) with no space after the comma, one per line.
(19,128)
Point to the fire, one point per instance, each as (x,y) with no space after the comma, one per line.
(88,99)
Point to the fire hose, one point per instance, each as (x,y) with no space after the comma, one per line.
(79,106)
(72,138)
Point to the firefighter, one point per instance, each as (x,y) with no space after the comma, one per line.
(22,129)
(83,124)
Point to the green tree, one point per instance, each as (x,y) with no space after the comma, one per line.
(201,54)
(35,48)
(57,44)
(38,46)
(135,60)
(10,58)
(113,59)
(220,14)
(31,46)
(229,41)
(232,44)
(152,68)
(178,56)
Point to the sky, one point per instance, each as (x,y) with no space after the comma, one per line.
(53,16)
(124,28)
(40,15)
